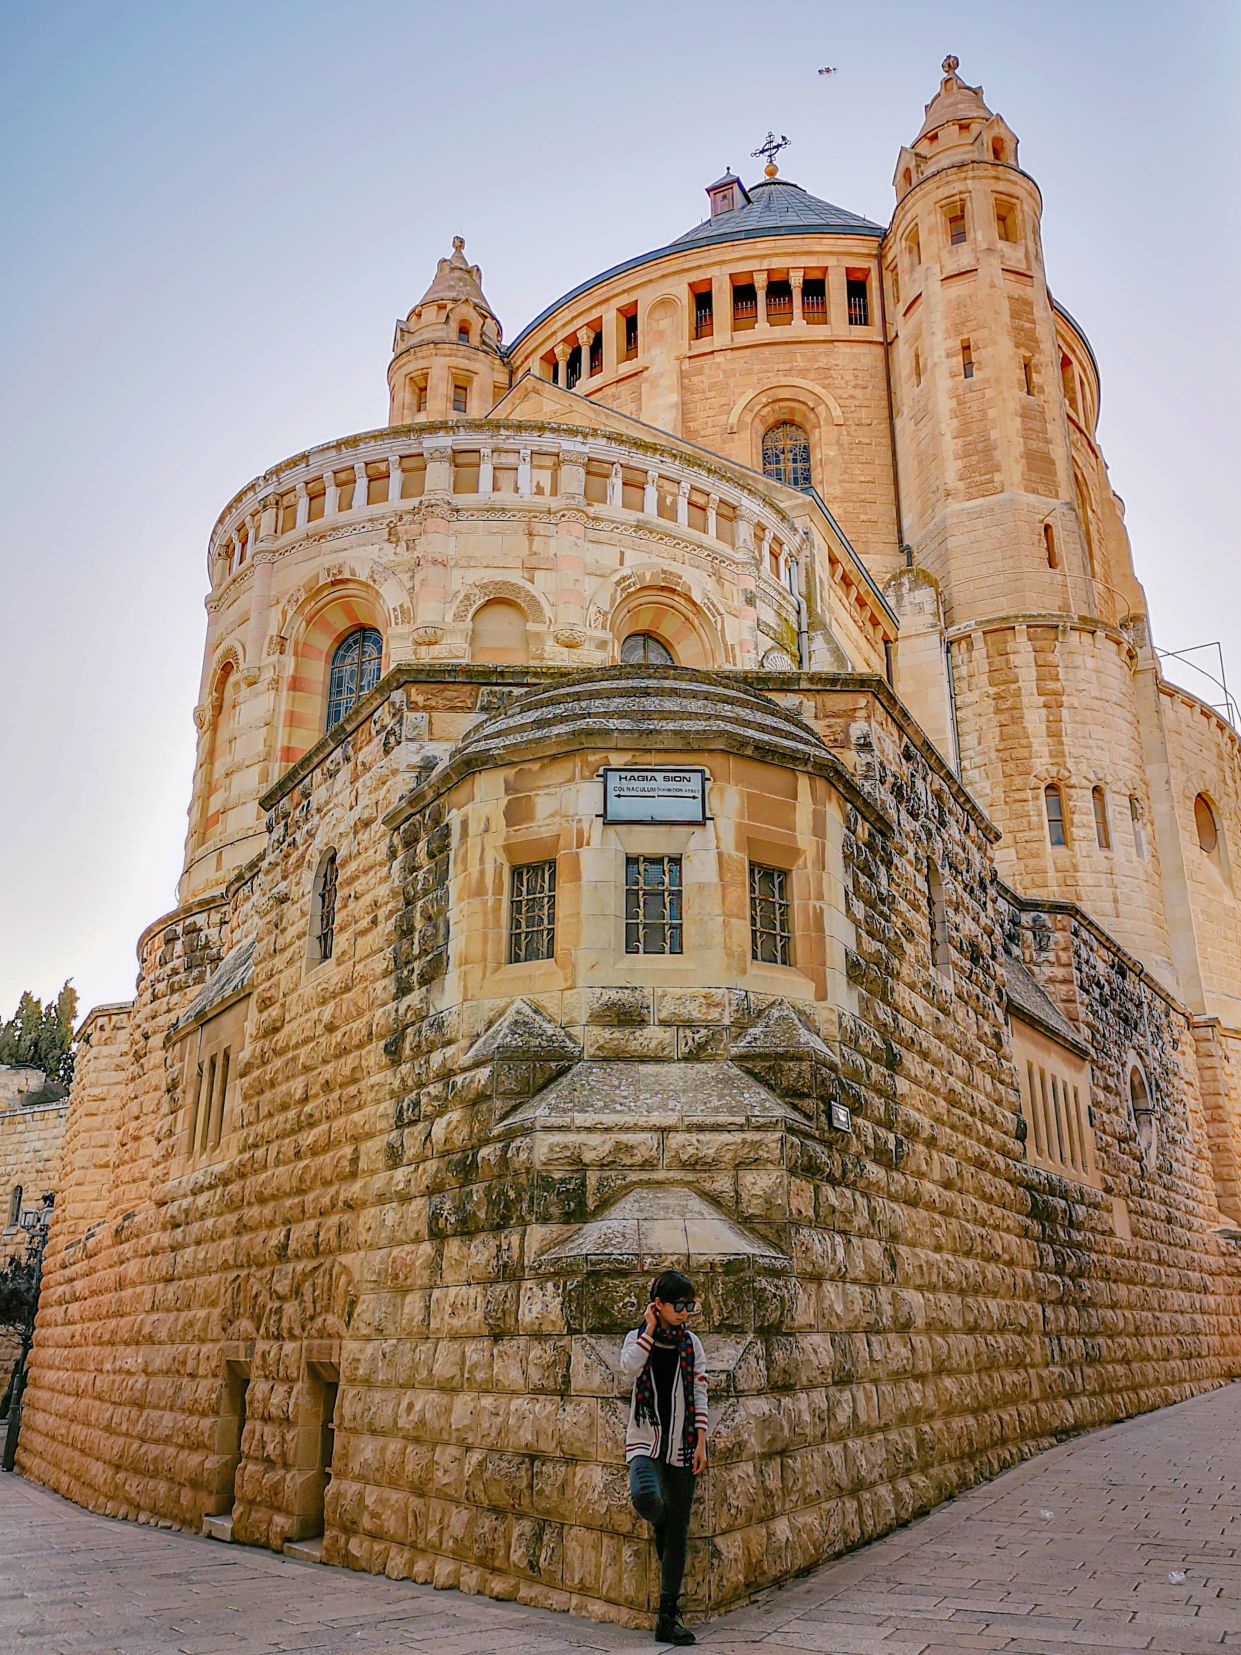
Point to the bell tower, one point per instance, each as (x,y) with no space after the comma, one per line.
(998,465)
(446,361)
(986,472)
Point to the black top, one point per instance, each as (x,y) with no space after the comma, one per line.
(665,1371)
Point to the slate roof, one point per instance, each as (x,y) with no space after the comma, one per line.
(777,207)
(229,979)
(1028,998)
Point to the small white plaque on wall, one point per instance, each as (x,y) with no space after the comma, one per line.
(661,795)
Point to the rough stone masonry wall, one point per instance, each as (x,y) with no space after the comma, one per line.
(1106,1357)
(918,1309)
(105,1419)
(186,1262)
(30,1136)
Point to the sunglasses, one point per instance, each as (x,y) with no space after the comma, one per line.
(683,1305)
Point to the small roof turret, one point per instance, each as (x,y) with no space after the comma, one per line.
(457,286)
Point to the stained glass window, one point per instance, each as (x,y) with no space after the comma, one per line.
(786,455)
(644,649)
(355,671)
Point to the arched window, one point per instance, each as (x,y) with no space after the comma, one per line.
(644,649)
(1049,546)
(323,910)
(786,455)
(1143,1112)
(463,333)
(1057,825)
(1102,827)
(498,634)
(355,671)
(1207,826)
(15,1206)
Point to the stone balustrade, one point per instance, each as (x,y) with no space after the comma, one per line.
(386,471)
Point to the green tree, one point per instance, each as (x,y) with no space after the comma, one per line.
(41,1036)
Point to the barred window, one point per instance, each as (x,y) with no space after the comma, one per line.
(653,905)
(771,939)
(325,908)
(355,671)
(532,912)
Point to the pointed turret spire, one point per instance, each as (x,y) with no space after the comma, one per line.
(437,371)
(456,280)
(956,126)
(955,102)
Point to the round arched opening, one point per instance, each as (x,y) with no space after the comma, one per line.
(1143,1112)
(1206,825)
(644,649)
(357,664)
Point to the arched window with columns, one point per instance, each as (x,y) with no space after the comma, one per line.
(786,454)
(356,667)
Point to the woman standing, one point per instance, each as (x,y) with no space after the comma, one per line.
(666,1440)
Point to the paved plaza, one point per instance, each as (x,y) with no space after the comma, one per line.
(1127,1539)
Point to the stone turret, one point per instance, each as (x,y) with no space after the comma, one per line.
(446,357)
(998,467)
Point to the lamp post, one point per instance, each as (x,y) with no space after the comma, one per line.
(35,1221)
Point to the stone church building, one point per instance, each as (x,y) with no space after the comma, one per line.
(695,788)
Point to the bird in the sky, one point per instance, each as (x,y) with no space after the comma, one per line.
(827,71)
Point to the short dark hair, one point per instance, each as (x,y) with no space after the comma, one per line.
(670,1285)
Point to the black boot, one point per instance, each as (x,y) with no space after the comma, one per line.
(669,1628)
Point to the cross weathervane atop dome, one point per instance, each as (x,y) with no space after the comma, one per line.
(771,147)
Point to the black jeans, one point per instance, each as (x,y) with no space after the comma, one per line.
(663,1494)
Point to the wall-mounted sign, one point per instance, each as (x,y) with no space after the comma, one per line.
(663,795)
(842,1117)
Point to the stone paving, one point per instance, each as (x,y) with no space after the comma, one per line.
(1128,1539)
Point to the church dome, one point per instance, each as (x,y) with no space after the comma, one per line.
(773,208)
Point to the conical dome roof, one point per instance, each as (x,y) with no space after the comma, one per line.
(777,207)
(956,100)
(456,279)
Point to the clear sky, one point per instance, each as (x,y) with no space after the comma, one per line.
(215,212)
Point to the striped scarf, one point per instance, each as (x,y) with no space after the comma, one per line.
(644,1390)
